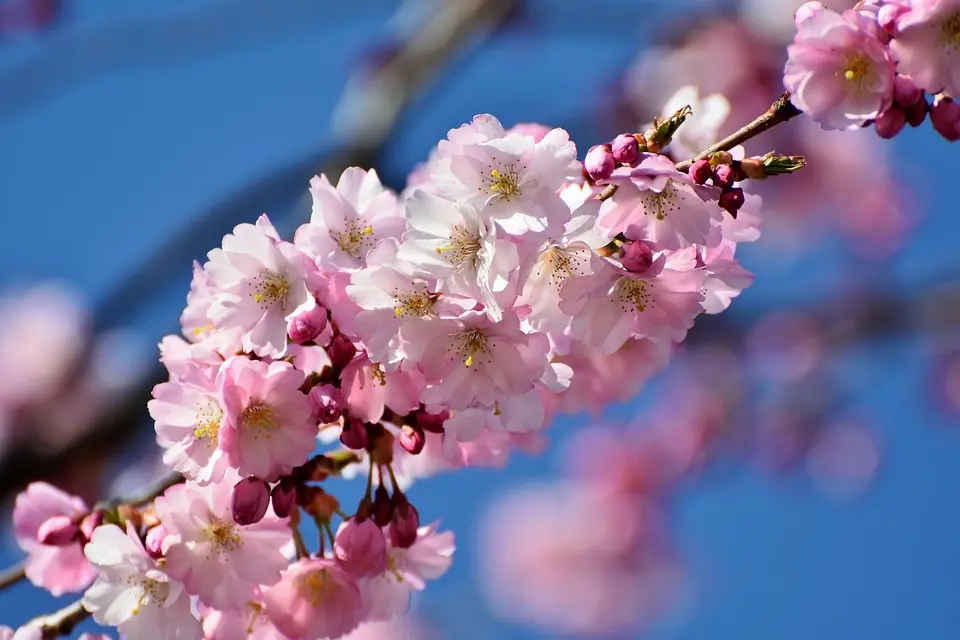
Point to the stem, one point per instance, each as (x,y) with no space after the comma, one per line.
(62,622)
(298,543)
(14,574)
(779,112)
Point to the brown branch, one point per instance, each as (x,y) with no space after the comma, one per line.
(62,622)
(779,112)
(12,575)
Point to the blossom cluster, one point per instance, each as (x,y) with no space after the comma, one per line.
(876,62)
(397,335)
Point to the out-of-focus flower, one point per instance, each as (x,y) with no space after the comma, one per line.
(314,599)
(927,44)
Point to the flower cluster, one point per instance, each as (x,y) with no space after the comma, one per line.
(876,62)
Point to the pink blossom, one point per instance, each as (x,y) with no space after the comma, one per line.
(839,71)
(195,319)
(471,361)
(58,569)
(369,389)
(267,427)
(510,178)
(188,417)
(611,306)
(216,559)
(348,221)
(927,44)
(314,599)
(361,548)
(246,623)
(658,203)
(260,284)
(388,595)
(132,592)
(725,279)
(453,243)
(702,128)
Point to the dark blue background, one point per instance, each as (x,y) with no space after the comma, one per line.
(111,142)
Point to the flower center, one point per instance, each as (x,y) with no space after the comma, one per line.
(256,616)
(463,248)
(469,345)
(392,568)
(222,536)
(316,586)
(208,422)
(632,295)
(950,32)
(270,289)
(505,184)
(414,304)
(259,417)
(660,204)
(857,66)
(559,265)
(354,238)
(152,592)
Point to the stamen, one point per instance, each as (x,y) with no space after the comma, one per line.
(222,535)
(270,289)
(354,240)
(950,32)
(469,345)
(661,204)
(208,422)
(259,418)
(463,248)
(633,295)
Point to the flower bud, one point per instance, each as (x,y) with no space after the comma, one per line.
(307,325)
(412,439)
(891,122)
(404,523)
(251,497)
(317,502)
(636,257)
(599,163)
(732,200)
(906,93)
(341,351)
(283,496)
(754,168)
(89,523)
(806,11)
(431,422)
(327,402)
(58,531)
(382,511)
(153,542)
(353,435)
(945,116)
(917,113)
(361,548)
(625,148)
(723,176)
(701,171)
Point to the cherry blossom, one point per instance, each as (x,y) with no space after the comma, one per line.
(927,44)
(314,599)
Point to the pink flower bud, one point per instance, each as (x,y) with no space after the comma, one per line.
(306,326)
(90,522)
(945,116)
(806,11)
(353,435)
(327,402)
(284,496)
(906,93)
(625,148)
(599,163)
(917,113)
(382,512)
(637,256)
(412,439)
(153,542)
(723,176)
(732,200)
(404,524)
(341,351)
(58,531)
(251,497)
(361,548)
(432,422)
(891,122)
(701,171)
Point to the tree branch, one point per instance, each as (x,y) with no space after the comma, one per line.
(12,575)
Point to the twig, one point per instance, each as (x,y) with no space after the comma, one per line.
(62,622)
(145,495)
(779,112)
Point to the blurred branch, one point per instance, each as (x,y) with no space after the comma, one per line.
(386,90)
(62,622)
(12,575)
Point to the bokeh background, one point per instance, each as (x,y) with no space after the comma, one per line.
(798,461)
